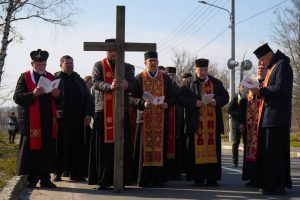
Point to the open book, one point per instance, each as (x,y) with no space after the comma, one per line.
(206,98)
(154,100)
(249,83)
(47,84)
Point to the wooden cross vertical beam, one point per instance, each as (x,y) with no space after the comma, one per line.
(119,101)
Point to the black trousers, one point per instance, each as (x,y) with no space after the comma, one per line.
(236,143)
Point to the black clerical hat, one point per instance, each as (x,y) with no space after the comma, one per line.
(171,70)
(202,62)
(150,54)
(39,55)
(110,40)
(262,50)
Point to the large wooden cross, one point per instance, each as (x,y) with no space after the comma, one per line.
(119,47)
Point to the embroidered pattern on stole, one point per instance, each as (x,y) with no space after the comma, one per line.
(252,128)
(205,137)
(153,123)
(108,104)
(172,133)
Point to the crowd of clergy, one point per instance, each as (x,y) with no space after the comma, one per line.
(171,131)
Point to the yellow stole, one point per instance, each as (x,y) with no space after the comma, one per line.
(108,104)
(252,128)
(153,123)
(205,137)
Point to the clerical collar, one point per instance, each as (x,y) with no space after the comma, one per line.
(152,74)
(206,79)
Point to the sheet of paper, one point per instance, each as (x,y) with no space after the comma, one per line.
(249,83)
(207,98)
(47,84)
(154,100)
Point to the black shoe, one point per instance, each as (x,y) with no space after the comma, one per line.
(249,184)
(57,178)
(212,183)
(77,178)
(102,188)
(48,185)
(277,191)
(199,183)
(30,185)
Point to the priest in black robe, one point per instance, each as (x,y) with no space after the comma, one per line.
(37,117)
(76,111)
(204,124)
(176,139)
(274,121)
(150,150)
(101,162)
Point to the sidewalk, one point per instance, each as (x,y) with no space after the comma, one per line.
(294,151)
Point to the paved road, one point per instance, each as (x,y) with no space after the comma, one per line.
(231,188)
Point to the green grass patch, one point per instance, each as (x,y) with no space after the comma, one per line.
(295,139)
(8,159)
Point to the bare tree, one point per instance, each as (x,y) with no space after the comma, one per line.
(184,63)
(11,11)
(287,36)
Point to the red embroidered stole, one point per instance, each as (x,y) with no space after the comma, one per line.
(153,123)
(252,128)
(35,140)
(262,101)
(205,137)
(171,133)
(132,117)
(108,104)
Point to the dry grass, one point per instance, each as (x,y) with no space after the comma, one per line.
(8,159)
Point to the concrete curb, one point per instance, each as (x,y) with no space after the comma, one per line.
(13,188)
(294,154)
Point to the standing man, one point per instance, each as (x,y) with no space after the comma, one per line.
(234,110)
(12,127)
(249,128)
(175,133)
(76,111)
(101,165)
(204,124)
(274,121)
(37,115)
(150,153)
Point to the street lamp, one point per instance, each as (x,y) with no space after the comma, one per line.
(232,69)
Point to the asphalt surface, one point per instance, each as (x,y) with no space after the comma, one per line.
(231,187)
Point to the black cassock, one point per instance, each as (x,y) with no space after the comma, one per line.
(36,163)
(71,142)
(274,145)
(189,94)
(175,165)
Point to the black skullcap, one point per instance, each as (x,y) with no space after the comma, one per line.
(186,75)
(262,50)
(150,54)
(39,55)
(110,40)
(171,70)
(202,62)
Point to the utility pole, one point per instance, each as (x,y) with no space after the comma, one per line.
(232,70)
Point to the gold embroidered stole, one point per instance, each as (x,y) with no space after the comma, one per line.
(205,137)
(108,101)
(252,127)
(153,123)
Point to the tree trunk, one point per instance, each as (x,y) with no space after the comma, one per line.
(5,41)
